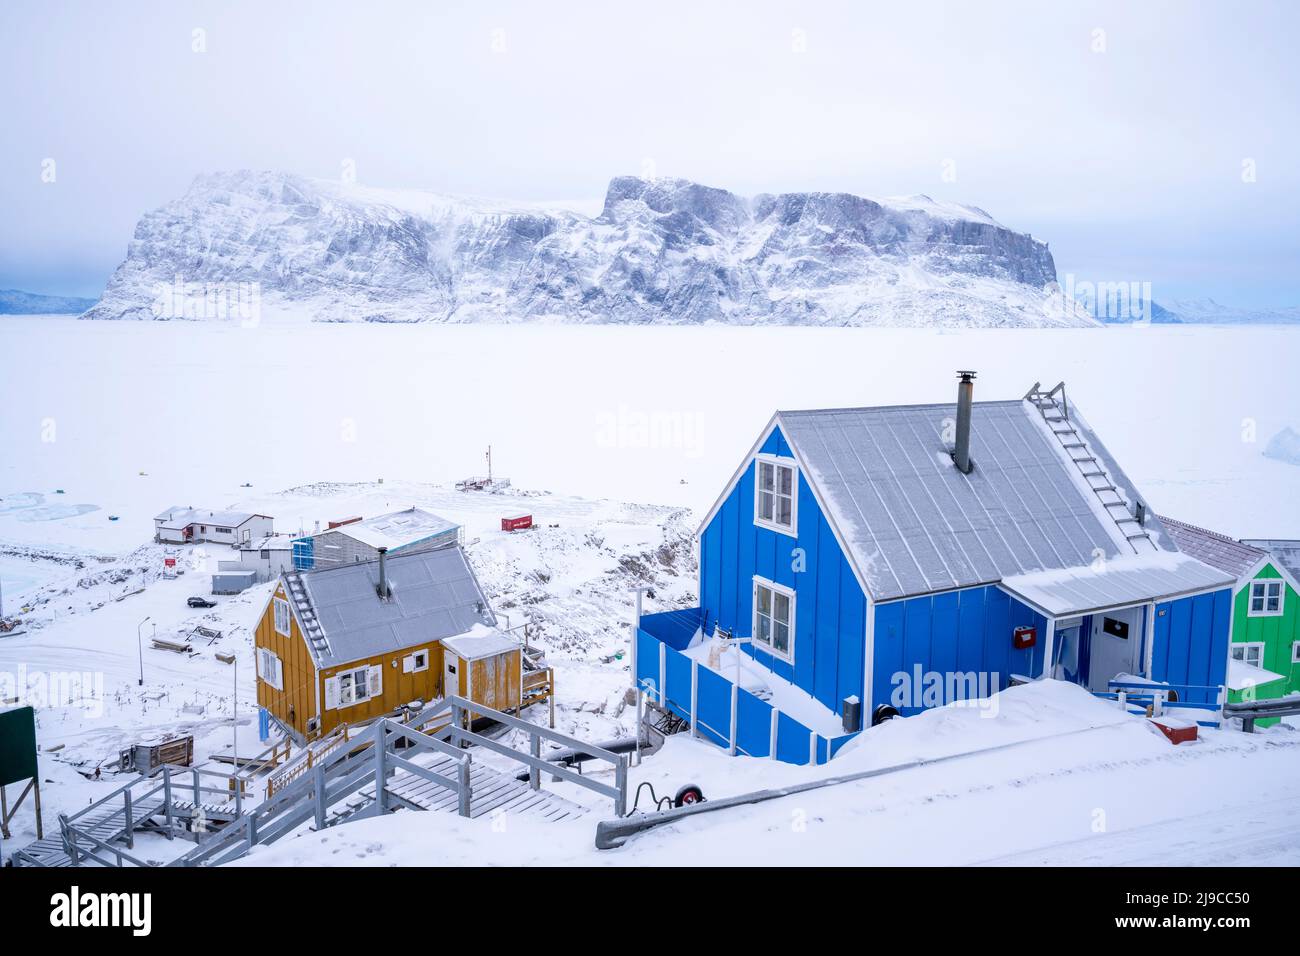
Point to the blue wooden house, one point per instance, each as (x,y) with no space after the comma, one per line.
(863,559)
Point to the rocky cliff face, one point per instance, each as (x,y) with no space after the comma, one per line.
(661,251)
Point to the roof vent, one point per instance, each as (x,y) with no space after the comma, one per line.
(965,397)
(385,592)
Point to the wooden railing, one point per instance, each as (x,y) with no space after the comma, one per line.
(314,752)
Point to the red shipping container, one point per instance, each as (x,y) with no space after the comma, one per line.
(517,523)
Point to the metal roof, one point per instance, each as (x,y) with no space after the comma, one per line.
(1285,552)
(272,542)
(915,525)
(184,517)
(1217,550)
(396,530)
(435,595)
(1132,579)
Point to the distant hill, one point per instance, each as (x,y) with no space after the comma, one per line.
(17,302)
(1129,306)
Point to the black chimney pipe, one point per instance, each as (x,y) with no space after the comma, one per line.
(383,574)
(965,396)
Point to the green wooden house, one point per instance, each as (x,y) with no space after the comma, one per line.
(1265,644)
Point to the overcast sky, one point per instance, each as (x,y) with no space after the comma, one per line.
(1126,135)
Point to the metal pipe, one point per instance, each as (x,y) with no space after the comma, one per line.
(383,574)
(965,397)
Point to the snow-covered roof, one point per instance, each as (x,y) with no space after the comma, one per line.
(184,517)
(480,642)
(1242,676)
(1284,552)
(434,595)
(272,542)
(396,530)
(913,524)
(1217,550)
(1126,580)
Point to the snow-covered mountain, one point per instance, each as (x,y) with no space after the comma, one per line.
(660,251)
(17,302)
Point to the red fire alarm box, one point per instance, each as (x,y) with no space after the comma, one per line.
(517,523)
(1023,637)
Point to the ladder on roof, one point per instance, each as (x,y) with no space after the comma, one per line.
(1055,410)
(312,630)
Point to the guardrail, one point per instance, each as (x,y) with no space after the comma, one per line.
(1249,711)
(1157,698)
(142,800)
(458,732)
(721,711)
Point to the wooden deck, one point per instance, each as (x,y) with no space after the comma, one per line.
(492,791)
(108,824)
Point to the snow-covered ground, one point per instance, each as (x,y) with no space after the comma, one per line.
(302,421)
(1076,781)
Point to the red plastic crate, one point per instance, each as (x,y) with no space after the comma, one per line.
(1178,731)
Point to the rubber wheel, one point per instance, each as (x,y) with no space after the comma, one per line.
(688,795)
(883,713)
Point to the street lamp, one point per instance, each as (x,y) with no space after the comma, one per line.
(234,717)
(139,646)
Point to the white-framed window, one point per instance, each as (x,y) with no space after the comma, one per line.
(1266,597)
(282,617)
(774,619)
(353,686)
(269,668)
(776,494)
(414,663)
(1251,653)
(1295,652)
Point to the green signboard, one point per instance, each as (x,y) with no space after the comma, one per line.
(17,745)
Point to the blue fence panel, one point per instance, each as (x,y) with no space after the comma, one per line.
(753,725)
(837,742)
(713,706)
(647,662)
(791,740)
(677,683)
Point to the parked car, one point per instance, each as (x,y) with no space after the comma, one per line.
(200,602)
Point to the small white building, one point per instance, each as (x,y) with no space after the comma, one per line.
(179,525)
(269,556)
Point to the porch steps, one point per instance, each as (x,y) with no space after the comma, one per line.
(1053,407)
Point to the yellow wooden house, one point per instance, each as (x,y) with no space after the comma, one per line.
(351,643)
